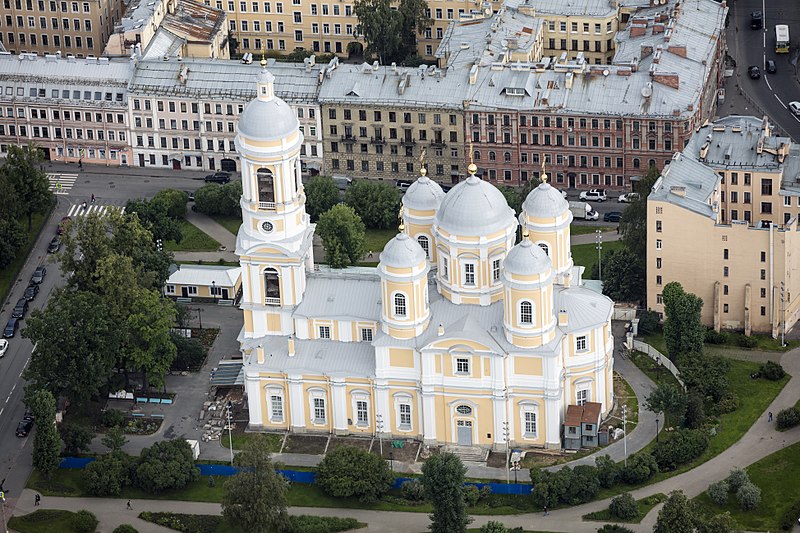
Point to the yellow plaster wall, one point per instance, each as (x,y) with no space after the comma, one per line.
(401,357)
(528,366)
(273,322)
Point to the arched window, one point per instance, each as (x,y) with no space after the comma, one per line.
(464,410)
(507,157)
(526,313)
(636,163)
(425,244)
(476,155)
(544,247)
(492,156)
(272,287)
(266,186)
(651,163)
(400,305)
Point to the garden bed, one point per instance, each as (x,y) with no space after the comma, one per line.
(191,523)
(392,450)
(44,521)
(141,426)
(644,506)
(357,442)
(240,439)
(309,444)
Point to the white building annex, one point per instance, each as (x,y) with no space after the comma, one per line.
(459,333)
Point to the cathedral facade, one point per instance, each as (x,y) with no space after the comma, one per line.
(461,336)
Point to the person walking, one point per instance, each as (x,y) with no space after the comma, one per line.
(769,417)
(93,198)
(129,506)
(36,500)
(546,512)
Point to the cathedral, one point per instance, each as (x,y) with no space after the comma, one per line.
(461,336)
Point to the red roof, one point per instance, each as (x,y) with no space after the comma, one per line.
(574,415)
(591,412)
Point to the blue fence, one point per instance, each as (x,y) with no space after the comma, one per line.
(297,476)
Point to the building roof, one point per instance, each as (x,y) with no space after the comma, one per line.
(194,21)
(352,293)
(545,201)
(203,275)
(591,412)
(581,8)
(474,207)
(424,194)
(526,259)
(574,415)
(315,356)
(402,252)
(267,118)
(164,44)
(687,183)
(585,308)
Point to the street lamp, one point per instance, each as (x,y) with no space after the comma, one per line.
(214,291)
(505,437)
(656,429)
(625,432)
(599,246)
(379,427)
(230,428)
(391,460)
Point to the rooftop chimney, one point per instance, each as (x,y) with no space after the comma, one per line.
(260,354)
(563,318)
(440,330)
(290,343)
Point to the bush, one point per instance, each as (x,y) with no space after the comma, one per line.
(695,415)
(350,471)
(608,472)
(749,496)
(322,524)
(472,494)
(772,371)
(190,353)
(125,528)
(112,418)
(718,492)
(683,446)
(165,465)
(413,490)
(614,528)
(728,403)
(788,418)
(108,475)
(789,518)
(737,478)
(746,342)
(648,323)
(216,199)
(715,337)
(493,526)
(641,467)
(76,438)
(623,507)
(84,522)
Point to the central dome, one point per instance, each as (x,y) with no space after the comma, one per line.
(267,118)
(545,201)
(474,208)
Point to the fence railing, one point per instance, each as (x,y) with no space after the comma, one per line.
(659,358)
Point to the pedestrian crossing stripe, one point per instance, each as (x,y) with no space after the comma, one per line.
(78,210)
(61,183)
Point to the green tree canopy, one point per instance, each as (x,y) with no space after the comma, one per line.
(684,333)
(377,204)
(443,479)
(12,230)
(513,198)
(382,28)
(22,170)
(46,442)
(255,498)
(76,438)
(154,217)
(167,464)
(215,199)
(415,21)
(321,194)
(633,226)
(173,200)
(624,276)
(350,471)
(677,516)
(114,439)
(669,399)
(342,234)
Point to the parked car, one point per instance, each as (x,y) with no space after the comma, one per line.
(403,185)
(62,226)
(3,347)
(756,20)
(54,246)
(772,68)
(612,216)
(563,193)
(24,428)
(794,107)
(218,177)
(342,182)
(30,292)
(628,197)
(754,72)
(38,275)
(20,309)
(11,328)
(28,414)
(190,195)
(594,195)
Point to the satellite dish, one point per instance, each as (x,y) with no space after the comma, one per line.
(605,72)
(647,91)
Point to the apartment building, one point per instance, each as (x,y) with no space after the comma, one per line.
(736,190)
(184,113)
(380,122)
(72,109)
(79,28)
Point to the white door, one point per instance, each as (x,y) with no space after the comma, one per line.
(464,428)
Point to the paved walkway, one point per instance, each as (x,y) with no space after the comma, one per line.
(216,231)
(589,238)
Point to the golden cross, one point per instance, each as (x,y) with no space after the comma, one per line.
(422,155)
(544,172)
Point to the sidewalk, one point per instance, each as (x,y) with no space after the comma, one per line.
(591,238)
(216,231)
(144,172)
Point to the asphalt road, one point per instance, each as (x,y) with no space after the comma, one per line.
(772,92)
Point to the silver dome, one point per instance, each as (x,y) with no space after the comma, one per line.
(545,201)
(474,208)
(526,259)
(267,120)
(402,252)
(424,194)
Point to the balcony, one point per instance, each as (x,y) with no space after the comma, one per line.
(271,301)
(348,139)
(267,206)
(438,143)
(377,140)
(408,141)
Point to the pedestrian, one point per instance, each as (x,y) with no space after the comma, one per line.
(36,500)
(769,417)
(546,512)
(80,163)
(129,506)
(370,254)
(93,198)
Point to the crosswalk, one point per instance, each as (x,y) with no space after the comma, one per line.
(78,210)
(61,183)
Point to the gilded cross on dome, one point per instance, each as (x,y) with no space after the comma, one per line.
(422,170)
(544,173)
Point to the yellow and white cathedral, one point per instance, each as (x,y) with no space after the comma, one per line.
(460,336)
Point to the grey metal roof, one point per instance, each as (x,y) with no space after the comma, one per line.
(474,208)
(731,142)
(585,308)
(593,8)
(687,183)
(227,374)
(163,43)
(347,294)
(317,356)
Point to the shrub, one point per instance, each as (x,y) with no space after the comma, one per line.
(493,526)
(718,492)
(112,418)
(614,528)
(772,371)
(728,403)
(623,507)
(84,522)
(608,472)
(641,467)
(715,337)
(212,482)
(749,496)
(683,446)
(321,524)
(413,490)
(166,465)
(695,415)
(190,353)
(472,494)
(107,475)
(648,323)
(125,528)
(737,478)
(788,418)
(746,342)
(789,518)
(350,471)
(76,438)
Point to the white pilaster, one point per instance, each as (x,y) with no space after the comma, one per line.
(254,394)
(500,416)
(552,407)
(339,404)
(429,414)
(383,407)
(297,402)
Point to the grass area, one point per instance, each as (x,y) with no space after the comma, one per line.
(10,273)
(376,239)
(585,229)
(215,263)
(197,523)
(765,343)
(656,372)
(240,439)
(194,240)
(586,255)
(632,403)
(43,521)
(778,477)
(229,222)
(644,506)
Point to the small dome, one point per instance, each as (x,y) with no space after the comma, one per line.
(424,194)
(267,120)
(473,208)
(545,201)
(526,259)
(402,252)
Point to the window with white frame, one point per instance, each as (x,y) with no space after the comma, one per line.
(400,309)
(529,419)
(362,418)
(191,290)
(469,274)
(526,312)
(462,365)
(445,268)
(404,410)
(366,334)
(580,343)
(276,407)
(319,410)
(170,289)
(495,270)
(582,395)
(545,248)
(425,244)
(324,332)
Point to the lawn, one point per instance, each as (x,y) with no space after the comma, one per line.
(10,273)
(43,521)
(585,229)
(765,343)
(586,255)
(778,476)
(376,239)
(656,372)
(229,222)
(194,240)
(240,439)
(644,505)
(191,523)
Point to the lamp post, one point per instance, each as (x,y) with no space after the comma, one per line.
(379,427)
(391,460)
(508,464)
(599,246)
(625,432)
(214,291)
(656,429)
(783,315)
(230,428)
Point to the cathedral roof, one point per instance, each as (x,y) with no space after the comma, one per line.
(473,208)
(545,201)
(526,259)
(402,252)
(267,118)
(424,194)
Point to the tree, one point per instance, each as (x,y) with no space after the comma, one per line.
(624,276)
(342,234)
(695,415)
(748,496)
(415,22)
(84,522)
(683,446)
(75,342)
(443,479)
(624,507)
(493,526)
(669,399)
(166,465)
(173,200)
(641,467)
(255,498)
(321,194)
(706,375)
(720,523)
(583,485)
(718,492)
(46,442)
(107,475)
(12,230)
(190,353)
(214,199)
(149,346)
(375,203)
(382,27)
(76,438)
(737,478)
(114,439)
(684,333)
(513,198)
(677,516)
(608,471)
(350,471)
(154,216)
(633,226)
(30,183)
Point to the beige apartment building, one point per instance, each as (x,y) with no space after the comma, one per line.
(80,28)
(735,189)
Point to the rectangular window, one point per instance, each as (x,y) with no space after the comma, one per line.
(324,332)
(462,365)
(582,396)
(469,273)
(366,335)
(405,416)
(361,413)
(530,423)
(319,410)
(580,343)
(445,269)
(277,408)
(496,270)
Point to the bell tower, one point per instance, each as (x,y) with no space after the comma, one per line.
(274,241)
